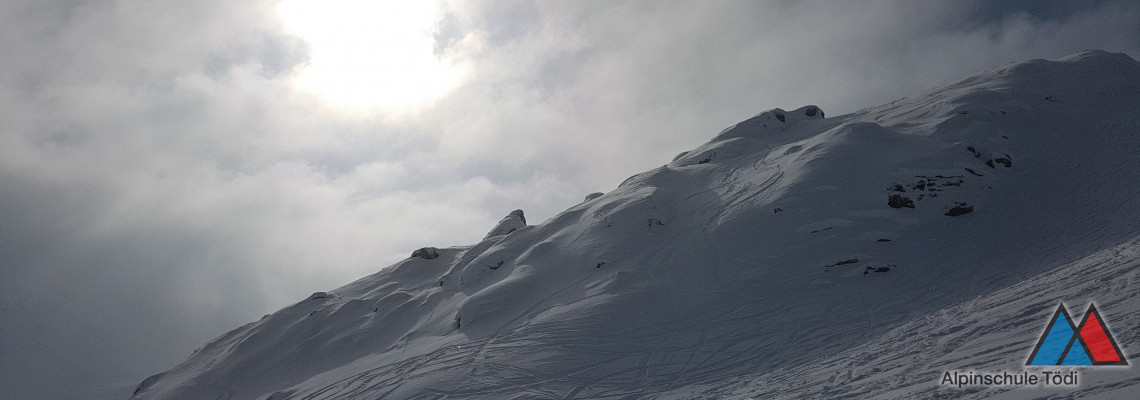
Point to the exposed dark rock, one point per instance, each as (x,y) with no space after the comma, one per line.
(510,223)
(972,172)
(427,253)
(704,161)
(877,269)
(899,201)
(974,152)
(519,213)
(897,188)
(811,111)
(844,262)
(1006,161)
(959,208)
(780,117)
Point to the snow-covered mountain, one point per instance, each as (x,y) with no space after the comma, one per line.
(793,255)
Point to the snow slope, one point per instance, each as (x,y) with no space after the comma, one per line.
(991,333)
(792,255)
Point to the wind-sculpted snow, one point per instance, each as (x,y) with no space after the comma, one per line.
(994,332)
(782,249)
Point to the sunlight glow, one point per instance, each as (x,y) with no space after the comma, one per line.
(369,54)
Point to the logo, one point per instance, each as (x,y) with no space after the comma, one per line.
(1086,344)
(1062,344)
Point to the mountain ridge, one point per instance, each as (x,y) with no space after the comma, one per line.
(754,253)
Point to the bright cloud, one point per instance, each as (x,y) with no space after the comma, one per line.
(369,56)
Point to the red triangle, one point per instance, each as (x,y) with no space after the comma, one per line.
(1096,337)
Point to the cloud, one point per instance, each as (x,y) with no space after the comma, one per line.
(161,182)
(593,91)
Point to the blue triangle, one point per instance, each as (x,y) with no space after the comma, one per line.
(1056,339)
(1077,355)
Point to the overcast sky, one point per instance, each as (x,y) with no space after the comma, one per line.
(170,170)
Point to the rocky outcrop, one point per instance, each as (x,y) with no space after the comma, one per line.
(427,253)
(775,119)
(899,201)
(510,223)
(960,208)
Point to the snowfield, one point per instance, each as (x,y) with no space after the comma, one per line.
(792,256)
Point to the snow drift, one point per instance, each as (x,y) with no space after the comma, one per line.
(792,255)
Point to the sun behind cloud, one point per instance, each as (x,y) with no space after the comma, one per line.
(368,55)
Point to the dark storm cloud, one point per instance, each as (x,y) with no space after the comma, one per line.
(127,224)
(160,183)
(96,286)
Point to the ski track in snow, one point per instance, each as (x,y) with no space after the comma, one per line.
(991,333)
